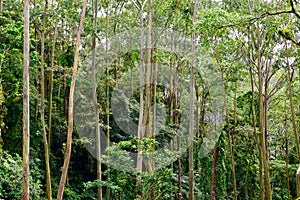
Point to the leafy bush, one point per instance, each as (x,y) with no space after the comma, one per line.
(11,177)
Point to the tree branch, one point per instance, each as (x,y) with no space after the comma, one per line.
(293,9)
(288,37)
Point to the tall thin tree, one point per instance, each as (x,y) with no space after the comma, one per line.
(26,116)
(295,130)
(44,132)
(191,112)
(146,119)
(266,173)
(70,109)
(96,105)
(141,112)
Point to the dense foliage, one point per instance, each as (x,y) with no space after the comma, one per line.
(253,46)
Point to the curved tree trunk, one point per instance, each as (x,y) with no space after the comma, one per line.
(71,106)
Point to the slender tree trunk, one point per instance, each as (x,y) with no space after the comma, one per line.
(295,130)
(44,132)
(154,75)
(213,191)
(96,105)
(191,112)
(255,136)
(176,119)
(197,90)
(230,138)
(71,106)
(141,113)
(146,119)
(171,103)
(107,110)
(26,116)
(51,86)
(65,93)
(286,150)
(267,183)
(261,178)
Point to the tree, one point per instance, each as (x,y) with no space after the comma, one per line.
(26,116)
(71,107)
(141,112)
(191,113)
(96,106)
(42,82)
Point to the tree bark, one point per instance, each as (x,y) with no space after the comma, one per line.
(146,118)
(213,191)
(44,132)
(96,105)
(26,116)
(71,106)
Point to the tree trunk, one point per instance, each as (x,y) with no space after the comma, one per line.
(230,137)
(191,112)
(64,80)
(213,191)
(26,116)
(51,86)
(96,105)
(107,110)
(154,75)
(146,119)
(176,119)
(141,113)
(261,178)
(295,130)
(286,151)
(267,184)
(44,132)
(256,138)
(71,106)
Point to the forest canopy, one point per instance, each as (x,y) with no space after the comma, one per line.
(148,99)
